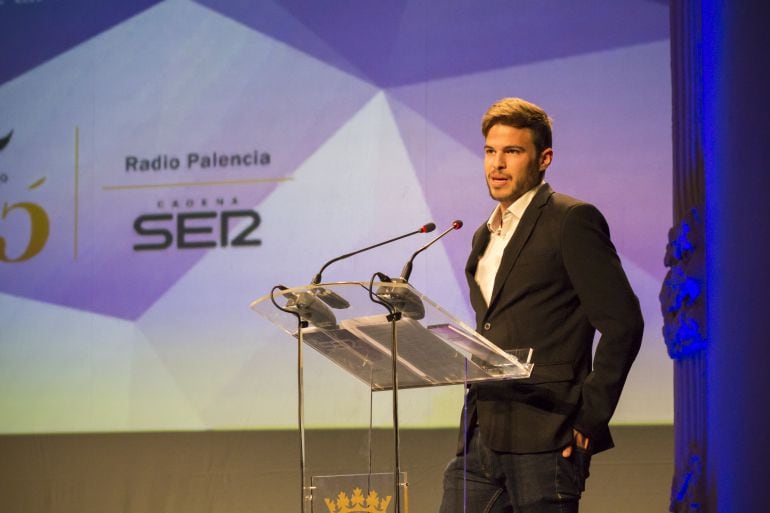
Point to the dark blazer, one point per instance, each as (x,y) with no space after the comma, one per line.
(560,280)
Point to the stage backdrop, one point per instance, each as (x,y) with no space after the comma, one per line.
(162,164)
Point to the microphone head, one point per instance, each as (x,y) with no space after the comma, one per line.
(457,224)
(428,228)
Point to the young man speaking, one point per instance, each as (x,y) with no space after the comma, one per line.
(543,273)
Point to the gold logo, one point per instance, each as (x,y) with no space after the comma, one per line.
(357,504)
(39,224)
(39,227)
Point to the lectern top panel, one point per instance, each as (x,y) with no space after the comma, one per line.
(351,326)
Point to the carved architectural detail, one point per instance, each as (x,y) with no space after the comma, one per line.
(682,296)
(686,494)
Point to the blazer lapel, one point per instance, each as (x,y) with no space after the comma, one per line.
(480,241)
(520,236)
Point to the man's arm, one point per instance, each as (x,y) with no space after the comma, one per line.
(612,308)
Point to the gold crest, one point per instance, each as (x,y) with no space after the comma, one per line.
(356,503)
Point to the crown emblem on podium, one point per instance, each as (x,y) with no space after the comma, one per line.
(356,503)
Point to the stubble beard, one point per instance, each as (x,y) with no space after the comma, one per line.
(533,178)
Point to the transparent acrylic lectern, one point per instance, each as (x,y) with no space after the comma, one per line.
(389,336)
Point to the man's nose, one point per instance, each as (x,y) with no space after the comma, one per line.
(499,161)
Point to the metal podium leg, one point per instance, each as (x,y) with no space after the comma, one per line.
(397,439)
(301,419)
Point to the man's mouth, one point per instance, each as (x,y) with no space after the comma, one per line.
(498,181)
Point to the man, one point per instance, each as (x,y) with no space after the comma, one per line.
(543,274)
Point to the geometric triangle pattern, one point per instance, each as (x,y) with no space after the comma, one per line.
(164,163)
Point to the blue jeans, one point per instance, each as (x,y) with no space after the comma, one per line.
(497,482)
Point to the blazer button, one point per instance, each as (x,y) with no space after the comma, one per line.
(487,326)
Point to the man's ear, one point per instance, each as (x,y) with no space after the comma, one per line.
(546,156)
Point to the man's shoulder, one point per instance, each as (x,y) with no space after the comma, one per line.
(563,204)
(570,213)
(565,201)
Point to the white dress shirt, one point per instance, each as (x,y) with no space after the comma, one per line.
(502,225)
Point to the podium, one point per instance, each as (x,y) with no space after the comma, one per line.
(389,336)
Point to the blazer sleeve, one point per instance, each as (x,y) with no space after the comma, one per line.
(611,307)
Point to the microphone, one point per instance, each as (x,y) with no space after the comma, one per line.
(400,296)
(407,270)
(427,228)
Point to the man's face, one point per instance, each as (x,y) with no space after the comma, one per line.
(511,163)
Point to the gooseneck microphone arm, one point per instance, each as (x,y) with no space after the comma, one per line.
(407,270)
(424,229)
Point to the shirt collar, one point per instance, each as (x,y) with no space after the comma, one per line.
(516,208)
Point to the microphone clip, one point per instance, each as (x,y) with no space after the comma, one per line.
(401,297)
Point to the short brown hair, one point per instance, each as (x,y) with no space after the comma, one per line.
(520,113)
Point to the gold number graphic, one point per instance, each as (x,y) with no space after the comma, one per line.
(39,231)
